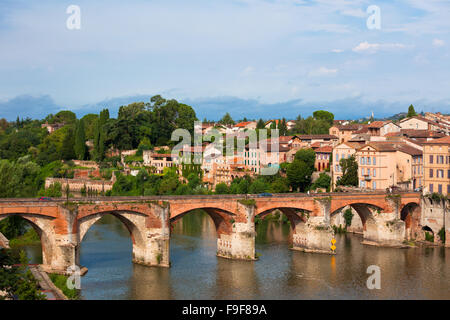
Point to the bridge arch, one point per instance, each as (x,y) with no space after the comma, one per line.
(295,215)
(43,226)
(410,214)
(223,219)
(135,222)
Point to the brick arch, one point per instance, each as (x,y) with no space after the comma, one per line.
(363,211)
(410,213)
(292,214)
(222,219)
(42,224)
(85,222)
(263,208)
(379,204)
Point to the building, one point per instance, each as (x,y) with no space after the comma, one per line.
(385,164)
(323,155)
(381,128)
(159,161)
(421,123)
(344,132)
(52,127)
(342,151)
(436,155)
(241,126)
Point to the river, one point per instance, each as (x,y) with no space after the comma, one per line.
(280,273)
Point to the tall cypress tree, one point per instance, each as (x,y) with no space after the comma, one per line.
(80,141)
(99,135)
(67,150)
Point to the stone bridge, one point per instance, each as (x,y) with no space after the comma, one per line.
(61,225)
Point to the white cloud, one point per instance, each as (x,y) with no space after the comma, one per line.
(323,71)
(247,71)
(374,47)
(358,13)
(438,42)
(337,50)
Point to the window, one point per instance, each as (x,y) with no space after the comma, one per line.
(362,171)
(448,189)
(448,174)
(431,187)
(440,173)
(440,188)
(374,172)
(368,160)
(374,160)
(337,157)
(441,159)
(431,173)
(368,171)
(374,185)
(431,158)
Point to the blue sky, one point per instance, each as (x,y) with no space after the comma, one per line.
(252,58)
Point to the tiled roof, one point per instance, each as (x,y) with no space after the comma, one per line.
(324,149)
(444,140)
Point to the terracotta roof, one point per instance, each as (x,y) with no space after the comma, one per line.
(364,129)
(324,149)
(412,133)
(316,136)
(160,155)
(377,124)
(444,140)
(243,124)
(349,127)
(393,147)
(316,145)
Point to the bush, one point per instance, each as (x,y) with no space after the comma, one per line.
(348,216)
(429,236)
(441,234)
(61,282)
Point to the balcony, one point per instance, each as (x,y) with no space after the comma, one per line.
(367,177)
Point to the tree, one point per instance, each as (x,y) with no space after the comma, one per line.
(299,175)
(258,186)
(227,120)
(283,127)
(80,141)
(221,188)
(411,112)
(349,168)
(308,156)
(324,115)
(15,280)
(67,149)
(279,185)
(323,181)
(260,124)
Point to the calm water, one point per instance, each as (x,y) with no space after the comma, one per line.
(280,273)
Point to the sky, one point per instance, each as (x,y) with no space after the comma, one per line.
(251,58)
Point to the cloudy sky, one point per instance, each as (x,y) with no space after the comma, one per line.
(254,58)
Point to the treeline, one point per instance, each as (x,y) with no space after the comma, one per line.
(139,125)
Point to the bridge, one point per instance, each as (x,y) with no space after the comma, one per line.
(387,219)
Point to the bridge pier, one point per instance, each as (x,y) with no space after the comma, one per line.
(155,247)
(314,233)
(239,242)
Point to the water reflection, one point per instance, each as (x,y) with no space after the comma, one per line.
(280,273)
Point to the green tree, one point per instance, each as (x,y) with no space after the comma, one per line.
(279,185)
(260,124)
(299,175)
(308,156)
(411,112)
(283,127)
(323,181)
(67,148)
(221,188)
(258,186)
(324,115)
(349,168)
(227,120)
(80,141)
